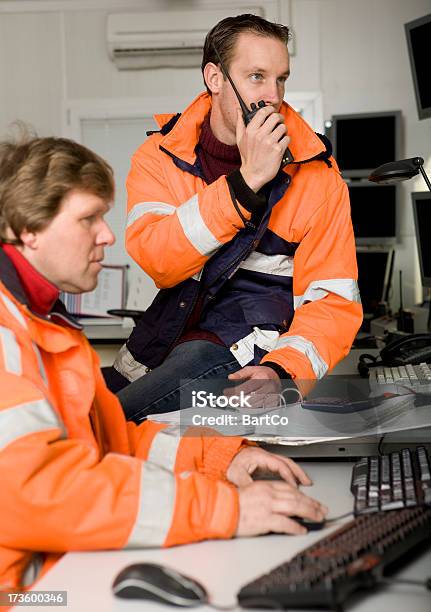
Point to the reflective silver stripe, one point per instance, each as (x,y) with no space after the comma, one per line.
(195,229)
(164,447)
(156,507)
(149,208)
(127,365)
(320,367)
(13,310)
(24,419)
(40,364)
(243,350)
(11,351)
(280,265)
(344,287)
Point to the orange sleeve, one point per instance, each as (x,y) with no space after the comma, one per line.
(175,222)
(328,308)
(195,449)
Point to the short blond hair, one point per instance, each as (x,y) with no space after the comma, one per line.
(35,176)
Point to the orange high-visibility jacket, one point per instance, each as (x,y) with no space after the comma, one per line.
(178,226)
(74,475)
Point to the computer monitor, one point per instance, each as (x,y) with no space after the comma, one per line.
(362,142)
(418,34)
(373,276)
(373,212)
(422,215)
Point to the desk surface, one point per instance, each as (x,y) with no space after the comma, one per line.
(107,334)
(224,566)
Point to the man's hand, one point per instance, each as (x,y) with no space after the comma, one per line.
(251,459)
(261,145)
(266,506)
(260,382)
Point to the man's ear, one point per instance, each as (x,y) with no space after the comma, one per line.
(213,77)
(29,239)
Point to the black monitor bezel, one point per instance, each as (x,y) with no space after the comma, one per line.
(423,112)
(376,240)
(366,171)
(420,195)
(379,249)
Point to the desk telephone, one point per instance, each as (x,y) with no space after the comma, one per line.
(412,349)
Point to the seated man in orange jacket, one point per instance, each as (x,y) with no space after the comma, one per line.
(73,474)
(255,262)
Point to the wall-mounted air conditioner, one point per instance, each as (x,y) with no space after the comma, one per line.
(161,39)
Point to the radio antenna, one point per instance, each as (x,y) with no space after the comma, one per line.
(244,108)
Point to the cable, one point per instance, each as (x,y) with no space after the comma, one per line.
(333,519)
(218,607)
(298,399)
(380,445)
(420,583)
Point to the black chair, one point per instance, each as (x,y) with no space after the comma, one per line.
(124,312)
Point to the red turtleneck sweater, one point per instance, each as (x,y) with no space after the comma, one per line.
(41,294)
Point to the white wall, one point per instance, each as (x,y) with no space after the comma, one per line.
(353,52)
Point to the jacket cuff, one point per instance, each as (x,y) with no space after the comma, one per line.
(251,201)
(277,369)
(219,454)
(204,509)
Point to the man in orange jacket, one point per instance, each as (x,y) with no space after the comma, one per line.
(73,474)
(256,263)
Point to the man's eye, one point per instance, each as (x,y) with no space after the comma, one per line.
(89,219)
(282,79)
(256,76)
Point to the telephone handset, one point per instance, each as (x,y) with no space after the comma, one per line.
(411,349)
(249,114)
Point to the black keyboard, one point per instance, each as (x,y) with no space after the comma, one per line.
(353,557)
(393,481)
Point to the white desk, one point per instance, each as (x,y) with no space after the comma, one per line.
(224,566)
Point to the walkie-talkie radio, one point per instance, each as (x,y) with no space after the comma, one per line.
(249,114)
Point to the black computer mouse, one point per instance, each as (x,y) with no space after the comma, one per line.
(309,524)
(158,583)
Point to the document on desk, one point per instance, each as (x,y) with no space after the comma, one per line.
(296,426)
(109,293)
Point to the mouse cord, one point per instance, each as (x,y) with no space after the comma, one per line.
(419,583)
(219,607)
(334,519)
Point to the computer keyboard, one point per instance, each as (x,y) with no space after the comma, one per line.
(354,557)
(400,379)
(395,480)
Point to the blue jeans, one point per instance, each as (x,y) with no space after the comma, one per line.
(160,390)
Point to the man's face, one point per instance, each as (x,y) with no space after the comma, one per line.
(69,251)
(259,68)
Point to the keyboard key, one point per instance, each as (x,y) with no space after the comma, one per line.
(401,379)
(391,482)
(352,558)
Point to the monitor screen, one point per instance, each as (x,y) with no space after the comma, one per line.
(373,212)
(422,215)
(418,34)
(373,270)
(365,141)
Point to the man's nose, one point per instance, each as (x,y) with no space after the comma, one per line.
(105,235)
(273,94)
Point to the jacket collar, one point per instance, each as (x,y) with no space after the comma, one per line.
(181,141)
(41,293)
(10,279)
